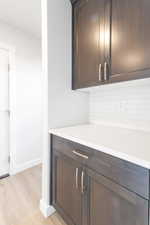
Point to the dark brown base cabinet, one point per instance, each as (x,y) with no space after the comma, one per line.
(83,194)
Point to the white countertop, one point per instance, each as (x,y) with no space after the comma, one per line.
(127,144)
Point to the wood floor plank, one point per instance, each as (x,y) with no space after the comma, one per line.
(19,200)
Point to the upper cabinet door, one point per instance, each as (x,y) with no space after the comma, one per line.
(88,42)
(130,52)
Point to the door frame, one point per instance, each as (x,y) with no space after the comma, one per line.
(12,99)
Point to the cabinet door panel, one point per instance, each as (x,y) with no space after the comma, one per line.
(67,198)
(130,39)
(88,42)
(112,204)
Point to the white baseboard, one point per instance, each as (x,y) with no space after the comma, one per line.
(19,168)
(47,210)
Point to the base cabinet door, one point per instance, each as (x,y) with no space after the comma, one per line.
(66,193)
(111,204)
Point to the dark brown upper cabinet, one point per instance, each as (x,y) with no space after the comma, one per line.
(110,41)
(88,54)
(130,52)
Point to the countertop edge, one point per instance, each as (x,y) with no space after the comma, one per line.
(104,149)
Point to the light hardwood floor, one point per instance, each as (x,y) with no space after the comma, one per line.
(19,200)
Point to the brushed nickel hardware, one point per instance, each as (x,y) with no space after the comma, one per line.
(82,182)
(105,71)
(77,171)
(100,72)
(80,154)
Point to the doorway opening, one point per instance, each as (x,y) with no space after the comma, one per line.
(4,113)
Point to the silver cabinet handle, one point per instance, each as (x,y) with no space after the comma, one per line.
(105,71)
(100,72)
(80,154)
(77,171)
(82,182)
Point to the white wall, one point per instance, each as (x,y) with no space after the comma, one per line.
(125,104)
(65,107)
(27,99)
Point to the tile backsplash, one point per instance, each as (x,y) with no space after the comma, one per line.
(125,104)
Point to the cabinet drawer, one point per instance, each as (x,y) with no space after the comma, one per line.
(129,175)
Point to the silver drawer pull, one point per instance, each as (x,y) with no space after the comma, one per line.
(80,154)
(105,71)
(82,182)
(77,171)
(99,72)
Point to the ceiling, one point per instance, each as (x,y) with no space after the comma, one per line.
(23,14)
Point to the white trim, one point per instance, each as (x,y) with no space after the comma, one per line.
(24,166)
(11,51)
(44,205)
(47,210)
(12,107)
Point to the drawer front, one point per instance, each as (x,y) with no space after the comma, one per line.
(129,175)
